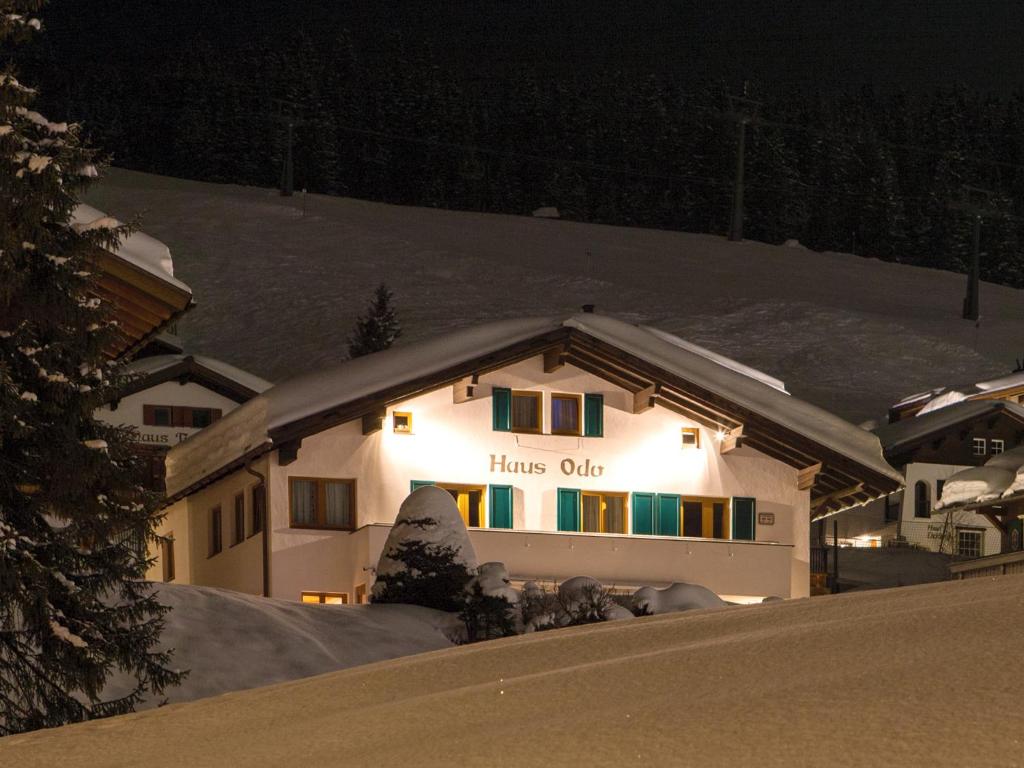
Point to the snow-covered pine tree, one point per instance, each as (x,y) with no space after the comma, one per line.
(74,520)
(378,328)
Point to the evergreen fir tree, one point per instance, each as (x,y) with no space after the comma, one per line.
(378,328)
(74,520)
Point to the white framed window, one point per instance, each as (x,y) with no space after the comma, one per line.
(970,542)
(979,447)
(996,446)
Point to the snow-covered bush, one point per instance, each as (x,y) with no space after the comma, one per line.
(489,608)
(675,597)
(427,559)
(584,600)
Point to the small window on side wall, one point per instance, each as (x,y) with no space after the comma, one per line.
(979,446)
(325,598)
(401,422)
(922,499)
(691,437)
(996,446)
(322,503)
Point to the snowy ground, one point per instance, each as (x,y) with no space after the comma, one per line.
(908,677)
(232,641)
(278,288)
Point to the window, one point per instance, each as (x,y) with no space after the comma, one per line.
(706,518)
(215,530)
(565,414)
(526,411)
(167,556)
(322,503)
(922,499)
(401,422)
(179,416)
(361,598)
(892,507)
(470,501)
(970,542)
(997,446)
(238,532)
(978,447)
(603,512)
(325,598)
(259,508)
(691,437)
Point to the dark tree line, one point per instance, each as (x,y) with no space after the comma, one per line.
(391,113)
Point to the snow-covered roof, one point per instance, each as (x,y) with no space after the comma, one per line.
(942,397)
(307,399)
(1001,478)
(139,249)
(908,432)
(150,370)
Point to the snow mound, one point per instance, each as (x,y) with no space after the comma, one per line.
(675,597)
(429,515)
(580,594)
(494,581)
(1000,476)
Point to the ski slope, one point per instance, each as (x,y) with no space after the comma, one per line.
(280,281)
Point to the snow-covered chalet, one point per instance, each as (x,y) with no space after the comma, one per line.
(572,446)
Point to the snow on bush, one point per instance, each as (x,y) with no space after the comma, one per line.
(494,581)
(675,597)
(427,559)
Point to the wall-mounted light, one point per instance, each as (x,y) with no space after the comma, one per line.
(402,422)
(691,437)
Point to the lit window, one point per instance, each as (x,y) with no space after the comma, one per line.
(691,437)
(402,422)
(970,542)
(565,414)
(603,513)
(979,446)
(996,446)
(322,503)
(325,598)
(526,411)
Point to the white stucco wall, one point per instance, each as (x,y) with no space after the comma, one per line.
(455,443)
(129,410)
(927,532)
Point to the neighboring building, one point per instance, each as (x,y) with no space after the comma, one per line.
(137,280)
(576,446)
(929,449)
(1009,388)
(170,397)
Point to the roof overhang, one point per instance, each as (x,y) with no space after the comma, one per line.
(188,369)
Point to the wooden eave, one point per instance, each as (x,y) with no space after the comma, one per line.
(142,304)
(188,369)
(840,482)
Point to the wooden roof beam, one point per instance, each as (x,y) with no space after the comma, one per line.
(805,477)
(374,420)
(463,389)
(731,441)
(645,399)
(555,357)
(835,496)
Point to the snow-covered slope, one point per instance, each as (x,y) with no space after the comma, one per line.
(232,641)
(799,683)
(280,281)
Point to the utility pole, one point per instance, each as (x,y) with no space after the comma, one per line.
(742,111)
(290,113)
(977,203)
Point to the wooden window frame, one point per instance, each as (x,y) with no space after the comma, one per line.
(539,398)
(484,500)
(695,431)
(323,597)
(979,532)
(216,543)
(238,515)
(321,502)
(394,423)
(167,556)
(179,415)
(707,516)
(578,432)
(602,520)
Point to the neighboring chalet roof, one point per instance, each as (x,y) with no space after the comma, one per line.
(233,383)
(137,279)
(942,397)
(905,435)
(841,463)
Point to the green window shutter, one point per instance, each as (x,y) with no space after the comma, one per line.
(501,506)
(744,514)
(416,484)
(643,513)
(593,415)
(668,515)
(501,404)
(568,509)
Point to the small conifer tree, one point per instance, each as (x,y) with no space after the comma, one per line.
(378,328)
(433,576)
(74,518)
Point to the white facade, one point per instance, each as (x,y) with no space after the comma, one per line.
(454,443)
